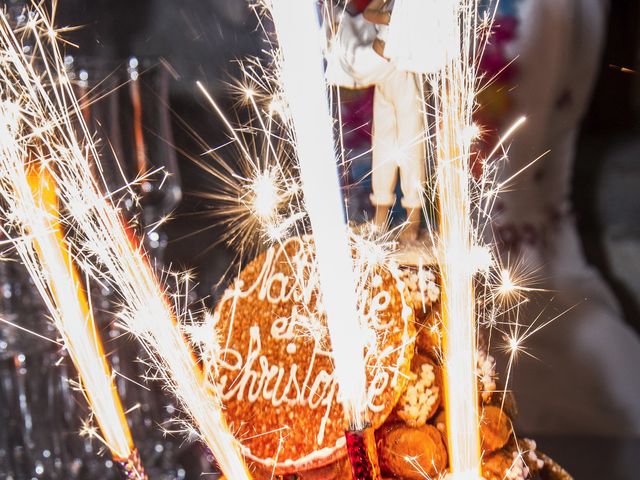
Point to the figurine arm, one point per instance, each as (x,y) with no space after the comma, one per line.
(375,14)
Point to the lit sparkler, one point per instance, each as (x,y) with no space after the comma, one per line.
(461,256)
(453,80)
(105,247)
(30,208)
(454,90)
(304,87)
(302,76)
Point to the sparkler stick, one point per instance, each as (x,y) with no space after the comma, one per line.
(451,57)
(453,88)
(105,244)
(30,202)
(302,76)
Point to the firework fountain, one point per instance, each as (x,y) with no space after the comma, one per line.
(32,221)
(305,90)
(105,247)
(458,304)
(448,68)
(454,91)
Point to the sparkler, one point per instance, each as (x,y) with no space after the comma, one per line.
(454,91)
(449,61)
(30,206)
(453,81)
(105,246)
(302,76)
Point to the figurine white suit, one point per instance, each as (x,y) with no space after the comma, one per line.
(398,121)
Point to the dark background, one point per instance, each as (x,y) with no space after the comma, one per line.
(606,169)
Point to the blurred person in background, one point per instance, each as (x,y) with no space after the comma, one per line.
(583,379)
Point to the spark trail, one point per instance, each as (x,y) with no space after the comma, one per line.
(104,247)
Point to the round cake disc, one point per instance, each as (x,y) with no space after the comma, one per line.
(275,370)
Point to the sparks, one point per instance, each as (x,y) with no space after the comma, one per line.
(265,197)
(453,87)
(506,284)
(257,196)
(302,77)
(104,246)
(31,218)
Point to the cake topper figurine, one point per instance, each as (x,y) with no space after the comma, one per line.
(358,59)
(397,142)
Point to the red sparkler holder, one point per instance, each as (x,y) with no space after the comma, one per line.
(363,456)
(132,467)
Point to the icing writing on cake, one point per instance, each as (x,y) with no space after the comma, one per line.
(252,376)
